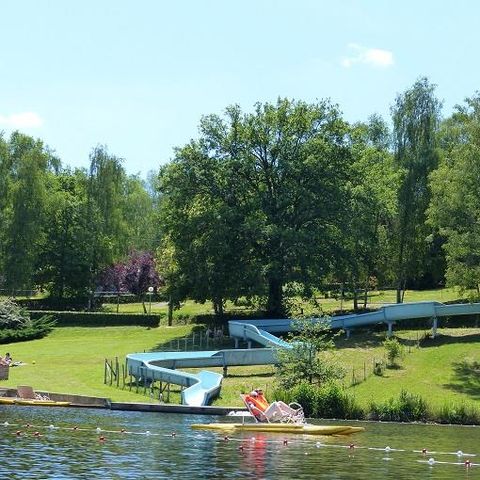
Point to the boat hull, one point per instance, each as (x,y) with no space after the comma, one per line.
(36,403)
(42,403)
(307,429)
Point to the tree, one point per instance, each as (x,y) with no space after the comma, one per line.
(373,206)
(262,196)
(64,259)
(416,116)
(26,169)
(106,227)
(308,357)
(136,275)
(455,205)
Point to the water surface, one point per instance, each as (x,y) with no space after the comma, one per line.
(159,445)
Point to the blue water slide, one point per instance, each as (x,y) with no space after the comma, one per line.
(261,331)
(202,387)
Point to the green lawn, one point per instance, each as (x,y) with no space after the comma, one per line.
(440,370)
(71,360)
(328,305)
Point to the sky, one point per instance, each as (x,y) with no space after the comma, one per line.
(137,76)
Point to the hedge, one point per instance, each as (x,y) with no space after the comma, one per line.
(98,319)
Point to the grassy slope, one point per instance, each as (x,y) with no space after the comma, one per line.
(71,360)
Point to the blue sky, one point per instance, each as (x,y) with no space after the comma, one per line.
(137,76)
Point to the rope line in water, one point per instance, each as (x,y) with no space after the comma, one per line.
(431,461)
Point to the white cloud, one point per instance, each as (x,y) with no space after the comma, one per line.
(376,57)
(21,120)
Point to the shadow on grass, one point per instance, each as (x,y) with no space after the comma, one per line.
(249,375)
(448,339)
(466,378)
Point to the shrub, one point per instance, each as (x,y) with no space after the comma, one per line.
(37,328)
(331,400)
(407,407)
(12,316)
(100,319)
(459,413)
(394,350)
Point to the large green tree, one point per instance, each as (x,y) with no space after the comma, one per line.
(416,115)
(455,206)
(270,187)
(64,267)
(25,168)
(373,206)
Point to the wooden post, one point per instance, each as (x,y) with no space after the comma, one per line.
(123,376)
(105,372)
(117,371)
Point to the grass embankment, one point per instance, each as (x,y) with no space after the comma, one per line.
(71,360)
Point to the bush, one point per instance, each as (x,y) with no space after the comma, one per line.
(56,304)
(100,319)
(331,400)
(394,350)
(460,413)
(407,407)
(37,328)
(12,316)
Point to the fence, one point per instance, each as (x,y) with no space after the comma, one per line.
(359,373)
(116,373)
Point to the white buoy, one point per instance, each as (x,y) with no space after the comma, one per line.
(431,461)
(147,432)
(6,424)
(459,453)
(98,429)
(387,449)
(51,427)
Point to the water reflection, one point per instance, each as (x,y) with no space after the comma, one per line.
(173,450)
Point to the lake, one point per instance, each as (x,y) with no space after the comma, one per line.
(159,445)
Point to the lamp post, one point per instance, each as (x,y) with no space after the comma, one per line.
(150,293)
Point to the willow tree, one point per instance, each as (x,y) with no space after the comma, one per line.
(272,185)
(416,116)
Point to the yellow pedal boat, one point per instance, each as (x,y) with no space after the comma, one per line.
(41,403)
(7,400)
(307,429)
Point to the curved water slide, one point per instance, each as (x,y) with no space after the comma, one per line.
(260,331)
(202,387)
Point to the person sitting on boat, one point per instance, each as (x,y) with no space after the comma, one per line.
(8,359)
(274,412)
(3,363)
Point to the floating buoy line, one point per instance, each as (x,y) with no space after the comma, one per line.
(463,458)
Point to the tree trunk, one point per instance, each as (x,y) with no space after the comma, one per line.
(275,306)
(365,294)
(355,296)
(218,306)
(170,312)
